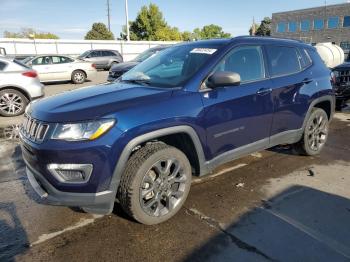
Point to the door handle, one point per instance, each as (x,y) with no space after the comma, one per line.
(307,81)
(264,91)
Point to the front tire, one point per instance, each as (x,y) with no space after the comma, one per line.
(12,102)
(78,77)
(155,183)
(315,133)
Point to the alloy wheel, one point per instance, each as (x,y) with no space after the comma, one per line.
(317,132)
(162,187)
(79,77)
(11,103)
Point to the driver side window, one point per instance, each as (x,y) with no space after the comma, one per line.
(247,61)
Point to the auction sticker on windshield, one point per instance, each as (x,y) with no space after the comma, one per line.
(208,51)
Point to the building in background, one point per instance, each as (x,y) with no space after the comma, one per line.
(315,25)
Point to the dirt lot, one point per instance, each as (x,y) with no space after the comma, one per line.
(271,205)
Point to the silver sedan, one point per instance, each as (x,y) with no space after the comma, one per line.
(19,84)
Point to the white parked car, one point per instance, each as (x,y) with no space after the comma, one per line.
(19,84)
(52,68)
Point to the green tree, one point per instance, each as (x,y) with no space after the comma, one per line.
(210,31)
(147,24)
(251,29)
(187,36)
(30,33)
(99,31)
(265,27)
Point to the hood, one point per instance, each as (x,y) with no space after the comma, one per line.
(123,67)
(93,102)
(345,65)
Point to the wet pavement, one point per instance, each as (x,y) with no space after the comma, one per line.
(269,206)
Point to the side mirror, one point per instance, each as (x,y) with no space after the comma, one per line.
(221,79)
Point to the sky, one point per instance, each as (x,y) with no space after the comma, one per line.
(71,19)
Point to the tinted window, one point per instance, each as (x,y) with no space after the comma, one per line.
(304,58)
(346,22)
(318,24)
(95,54)
(42,60)
(247,61)
(333,22)
(2,66)
(305,25)
(293,27)
(281,27)
(108,53)
(283,60)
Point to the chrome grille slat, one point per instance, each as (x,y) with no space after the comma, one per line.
(33,129)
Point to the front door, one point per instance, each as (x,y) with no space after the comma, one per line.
(239,116)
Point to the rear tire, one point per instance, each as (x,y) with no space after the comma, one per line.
(78,77)
(12,102)
(315,133)
(155,183)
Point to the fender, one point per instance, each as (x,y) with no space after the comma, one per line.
(328,98)
(120,166)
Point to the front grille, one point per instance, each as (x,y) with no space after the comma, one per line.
(343,77)
(33,129)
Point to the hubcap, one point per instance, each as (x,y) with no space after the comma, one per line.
(79,77)
(163,187)
(11,103)
(317,132)
(10,132)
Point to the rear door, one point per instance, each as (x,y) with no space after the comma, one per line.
(45,69)
(238,116)
(63,67)
(290,80)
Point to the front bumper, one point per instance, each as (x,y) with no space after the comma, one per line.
(98,203)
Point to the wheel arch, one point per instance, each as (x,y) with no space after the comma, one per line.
(19,89)
(170,136)
(327,103)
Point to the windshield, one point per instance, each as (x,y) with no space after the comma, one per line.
(84,54)
(26,60)
(144,55)
(172,67)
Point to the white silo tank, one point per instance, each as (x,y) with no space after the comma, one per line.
(331,54)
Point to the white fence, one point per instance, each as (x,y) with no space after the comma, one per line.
(26,47)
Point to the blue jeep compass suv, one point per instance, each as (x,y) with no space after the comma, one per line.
(180,113)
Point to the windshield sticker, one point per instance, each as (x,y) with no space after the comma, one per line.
(208,51)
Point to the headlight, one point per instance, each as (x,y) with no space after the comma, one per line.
(82,131)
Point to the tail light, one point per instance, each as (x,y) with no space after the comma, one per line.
(93,65)
(32,74)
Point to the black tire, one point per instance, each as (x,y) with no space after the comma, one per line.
(140,176)
(78,77)
(315,133)
(14,108)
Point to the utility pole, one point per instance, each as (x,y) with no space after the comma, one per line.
(109,16)
(127,21)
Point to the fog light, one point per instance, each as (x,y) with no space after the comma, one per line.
(71,173)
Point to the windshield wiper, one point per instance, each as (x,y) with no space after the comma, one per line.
(137,81)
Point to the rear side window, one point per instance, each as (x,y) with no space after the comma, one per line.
(283,60)
(305,59)
(108,53)
(2,66)
(247,61)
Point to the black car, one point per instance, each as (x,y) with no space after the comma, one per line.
(119,69)
(342,84)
